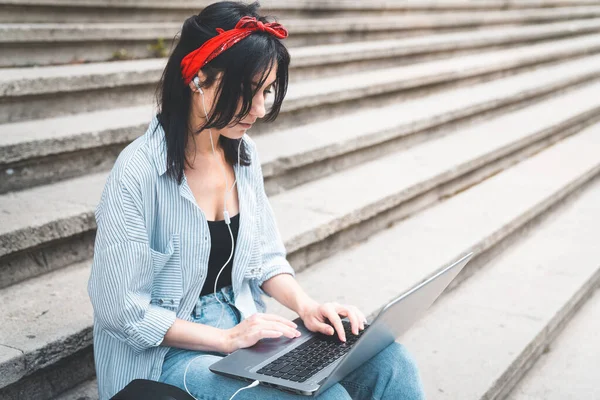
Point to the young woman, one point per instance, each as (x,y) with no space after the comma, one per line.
(187,241)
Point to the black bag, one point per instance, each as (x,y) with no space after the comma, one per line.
(145,389)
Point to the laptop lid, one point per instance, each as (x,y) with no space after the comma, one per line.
(395,319)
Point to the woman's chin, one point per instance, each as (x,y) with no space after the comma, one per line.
(236,132)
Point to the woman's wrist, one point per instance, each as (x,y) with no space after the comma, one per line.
(304,304)
(227,344)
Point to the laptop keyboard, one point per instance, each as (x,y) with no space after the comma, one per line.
(312,356)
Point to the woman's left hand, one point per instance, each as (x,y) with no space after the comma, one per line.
(314,316)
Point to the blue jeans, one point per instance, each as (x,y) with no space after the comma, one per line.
(391,374)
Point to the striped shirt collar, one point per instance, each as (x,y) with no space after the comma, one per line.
(157,145)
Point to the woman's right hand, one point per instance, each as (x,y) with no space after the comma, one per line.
(256,327)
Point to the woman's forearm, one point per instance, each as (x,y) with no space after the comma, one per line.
(194,336)
(285,289)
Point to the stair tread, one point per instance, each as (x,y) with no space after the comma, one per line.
(466,221)
(68,133)
(415,73)
(509,306)
(502,309)
(100,69)
(34,317)
(303,216)
(308,140)
(49,204)
(368,22)
(294,4)
(87,390)
(312,211)
(23,75)
(316,5)
(569,369)
(420,42)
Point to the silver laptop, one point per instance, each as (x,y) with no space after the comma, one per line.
(311,363)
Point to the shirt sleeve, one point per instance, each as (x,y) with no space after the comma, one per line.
(120,283)
(273,251)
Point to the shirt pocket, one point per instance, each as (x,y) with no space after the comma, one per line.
(167,286)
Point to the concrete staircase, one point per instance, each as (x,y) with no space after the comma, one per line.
(567,369)
(421,131)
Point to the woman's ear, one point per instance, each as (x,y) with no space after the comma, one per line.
(200,77)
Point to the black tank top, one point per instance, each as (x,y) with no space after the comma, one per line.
(219,253)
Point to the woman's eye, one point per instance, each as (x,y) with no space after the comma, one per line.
(267,91)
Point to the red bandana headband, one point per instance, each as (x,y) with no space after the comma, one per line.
(191,63)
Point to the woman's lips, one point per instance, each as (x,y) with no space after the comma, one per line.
(245,125)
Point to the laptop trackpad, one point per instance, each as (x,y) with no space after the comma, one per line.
(265,348)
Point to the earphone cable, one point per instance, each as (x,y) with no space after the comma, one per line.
(227,222)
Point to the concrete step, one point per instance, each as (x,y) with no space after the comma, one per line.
(36,334)
(60,229)
(314,229)
(534,268)
(68,89)
(48,150)
(567,369)
(150,11)
(476,219)
(88,390)
(309,154)
(35,44)
(463,223)
(482,338)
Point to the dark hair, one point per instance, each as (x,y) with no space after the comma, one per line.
(239,64)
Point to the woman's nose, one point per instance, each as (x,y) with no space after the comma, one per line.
(258,109)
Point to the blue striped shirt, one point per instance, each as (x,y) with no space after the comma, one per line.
(151,258)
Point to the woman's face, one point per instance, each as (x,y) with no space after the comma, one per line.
(257,111)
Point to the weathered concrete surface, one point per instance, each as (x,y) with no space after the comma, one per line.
(69,11)
(48,213)
(49,137)
(86,391)
(48,32)
(499,320)
(374,125)
(35,321)
(347,198)
(89,142)
(18,82)
(476,219)
(568,369)
(44,43)
(318,96)
(405,77)
(479,340)
(65,209)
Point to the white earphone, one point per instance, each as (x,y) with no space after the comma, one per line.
(196,81)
